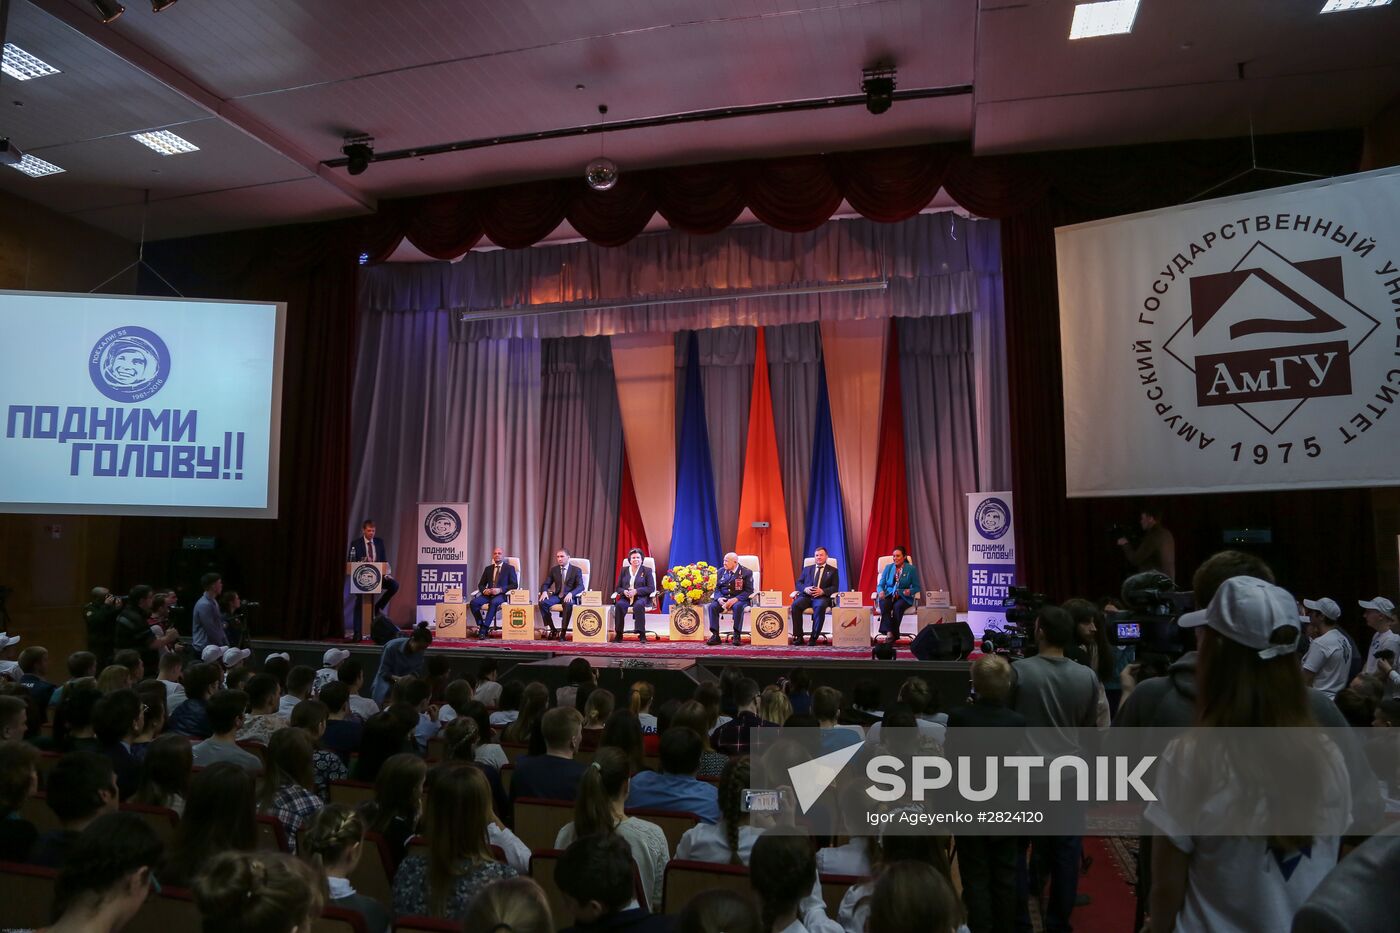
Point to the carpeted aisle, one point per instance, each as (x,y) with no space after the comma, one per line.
(1109,882)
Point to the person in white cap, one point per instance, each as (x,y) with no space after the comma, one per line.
(232,657)
(1379,616)
(330,668)
(1327,665)
(9,650)
(1247,679)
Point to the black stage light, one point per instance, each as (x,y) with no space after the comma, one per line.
(107,10)
(877,84)
(360,153)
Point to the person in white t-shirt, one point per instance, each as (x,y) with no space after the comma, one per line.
(1379,615)
(1327,665)
(488,688)
(330,668)
(1221,884)
(352,674)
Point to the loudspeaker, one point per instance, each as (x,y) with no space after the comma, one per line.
(382,630)
(948,641)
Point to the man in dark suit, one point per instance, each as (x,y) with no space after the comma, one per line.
(498,579)
(732,594)
(814,589)
(561,587)
(635,586)
(368,546)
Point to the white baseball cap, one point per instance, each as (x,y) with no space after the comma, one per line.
(334,656)
(233,657)
(6,640)
(211,653)
(1382,605)
(1326,606)
(278,654)
(1248,611)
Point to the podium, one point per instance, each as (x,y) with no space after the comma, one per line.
(688,622)
(366,582)
(591,624)
(850,628)
(768,628)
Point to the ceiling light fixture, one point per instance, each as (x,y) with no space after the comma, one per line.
(108,10)
(35,167)
(359,150)
(165,142)
(1342,6)
(20,65)
(877,84)
(601,173)
(159,6)
(1104,18)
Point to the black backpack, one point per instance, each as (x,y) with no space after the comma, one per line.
(382,631)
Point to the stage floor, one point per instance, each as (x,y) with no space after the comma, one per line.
(660,648)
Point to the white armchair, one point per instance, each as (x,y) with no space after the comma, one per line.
(649,563)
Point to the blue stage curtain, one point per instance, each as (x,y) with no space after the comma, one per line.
(826,522)
(696,533)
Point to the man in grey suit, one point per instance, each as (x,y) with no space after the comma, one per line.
(208,626)
(561,587)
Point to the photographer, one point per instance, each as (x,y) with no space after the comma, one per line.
(1156,549)
(232,612)
(133,629)
(100,620)
(1096,653)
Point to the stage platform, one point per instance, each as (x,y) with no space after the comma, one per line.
(673,668)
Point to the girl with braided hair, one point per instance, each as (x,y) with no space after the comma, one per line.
(258,892)
(730,841)
(333,841)
(602,795)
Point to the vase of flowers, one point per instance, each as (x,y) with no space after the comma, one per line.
(691,584)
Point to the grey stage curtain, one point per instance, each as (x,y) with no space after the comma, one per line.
(938,386)
(794,368)
(442,420)
(726,377)
(932,264)
(580,455)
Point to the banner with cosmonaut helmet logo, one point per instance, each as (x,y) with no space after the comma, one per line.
(1250,342)
(442,554)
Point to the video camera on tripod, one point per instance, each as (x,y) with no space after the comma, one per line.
(1012,639)
(1150,621)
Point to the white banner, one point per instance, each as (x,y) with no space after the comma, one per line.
(991,558)
(442,555)
(123,405)
(1246,343)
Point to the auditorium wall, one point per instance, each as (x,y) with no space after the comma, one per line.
(51,561)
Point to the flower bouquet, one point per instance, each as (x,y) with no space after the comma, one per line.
(691,584)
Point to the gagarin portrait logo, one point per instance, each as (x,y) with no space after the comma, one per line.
(367,578)
(993,518)
(450,617)
(1269,334)
(769,624)
(129,364)
(443,525)
(687,620)
(589,622)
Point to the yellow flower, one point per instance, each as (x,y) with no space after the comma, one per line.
(694,594)
(668,584)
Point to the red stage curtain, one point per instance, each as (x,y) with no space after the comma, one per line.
(630,530)
(889,508)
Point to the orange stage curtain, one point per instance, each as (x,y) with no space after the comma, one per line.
(761,498)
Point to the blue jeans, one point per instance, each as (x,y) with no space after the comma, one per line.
(1057,859)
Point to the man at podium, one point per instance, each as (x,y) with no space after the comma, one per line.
(368,546)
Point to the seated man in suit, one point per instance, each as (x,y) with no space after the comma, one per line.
(498,579)
(732,594)
(814,589)
(561,587)
(896,591)
(635,586)
(372,548)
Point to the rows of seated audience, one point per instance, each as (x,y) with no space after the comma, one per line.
(276,794)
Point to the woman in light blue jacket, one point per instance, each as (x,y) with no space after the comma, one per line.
(896,591)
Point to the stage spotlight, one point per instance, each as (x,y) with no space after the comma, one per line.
(107,10)
(877,84)
(160,6)
(360,151)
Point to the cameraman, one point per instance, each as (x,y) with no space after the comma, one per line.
(1156,549)
(100,619)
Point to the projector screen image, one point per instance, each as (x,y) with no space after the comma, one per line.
(118,405)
